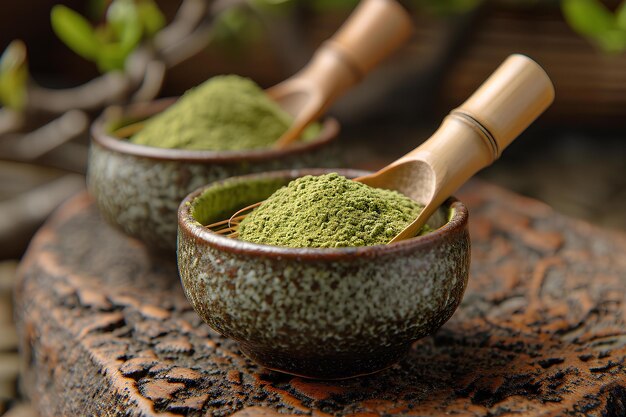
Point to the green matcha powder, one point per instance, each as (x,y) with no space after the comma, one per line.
(329,211)
(225,113)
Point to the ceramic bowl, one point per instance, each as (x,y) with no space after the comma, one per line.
(138,188)
(318,313)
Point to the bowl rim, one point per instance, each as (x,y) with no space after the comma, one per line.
(189,226)
(99,135)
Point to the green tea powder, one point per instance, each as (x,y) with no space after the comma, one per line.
(328,211)
(225,113)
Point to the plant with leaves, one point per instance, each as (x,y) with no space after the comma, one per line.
(133,70)
(126,24)
(592,19)
(13,76)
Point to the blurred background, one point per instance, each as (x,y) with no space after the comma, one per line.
(65,61)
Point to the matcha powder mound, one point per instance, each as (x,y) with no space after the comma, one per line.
(328,211)
(225,113)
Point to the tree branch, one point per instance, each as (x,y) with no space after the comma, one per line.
(190,14)
(106,89)
(33,145)
(22,215)
(10,120)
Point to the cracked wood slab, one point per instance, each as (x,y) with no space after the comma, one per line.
(106,330)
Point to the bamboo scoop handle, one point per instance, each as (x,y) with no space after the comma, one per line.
(510,100)
(474,135)
(373,31)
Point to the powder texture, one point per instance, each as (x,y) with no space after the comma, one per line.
(225,113)
(328,211)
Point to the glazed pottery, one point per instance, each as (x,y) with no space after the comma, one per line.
(138,188)
(318,313)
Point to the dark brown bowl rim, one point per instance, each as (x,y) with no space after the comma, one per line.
(188,226)
(99,135)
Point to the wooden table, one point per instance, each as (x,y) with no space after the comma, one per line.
(106,330)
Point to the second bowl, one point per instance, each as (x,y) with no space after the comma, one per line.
(138,188)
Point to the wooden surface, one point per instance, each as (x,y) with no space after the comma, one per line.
(106,330)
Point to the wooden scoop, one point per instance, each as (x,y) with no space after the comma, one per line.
(374,30)
(470,138)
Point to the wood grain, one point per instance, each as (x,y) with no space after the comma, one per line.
(105,330)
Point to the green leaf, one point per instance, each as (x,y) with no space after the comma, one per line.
(233,19)
(13,75)
(588,17)
(620,16)
(230,23)
(151,17)
(111,57)
(130,36)
(119,14)
(13,57)
(123,18)
(594,20)
(75,31)
(105,34)
(236,29)
(613,41)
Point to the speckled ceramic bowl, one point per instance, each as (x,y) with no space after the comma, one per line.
(319,313)
(138,188)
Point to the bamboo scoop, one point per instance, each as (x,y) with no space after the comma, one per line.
(470,138)
(374,30)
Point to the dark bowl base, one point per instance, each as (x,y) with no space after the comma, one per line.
(326,367)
